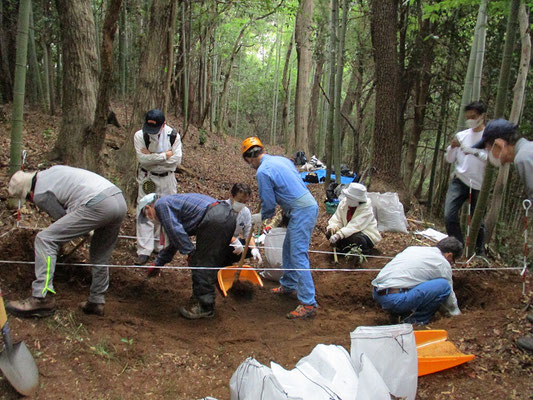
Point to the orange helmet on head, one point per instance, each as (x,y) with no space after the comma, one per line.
(250,142)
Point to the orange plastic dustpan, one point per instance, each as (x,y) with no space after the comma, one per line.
(436,353)
(227,276)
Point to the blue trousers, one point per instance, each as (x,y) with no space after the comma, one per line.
(457,194)
(417,305)
(295,247)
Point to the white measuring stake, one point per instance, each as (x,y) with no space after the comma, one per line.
(527,205)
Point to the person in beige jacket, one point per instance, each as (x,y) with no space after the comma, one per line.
(354,223)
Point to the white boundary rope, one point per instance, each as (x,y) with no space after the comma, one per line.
(181,267)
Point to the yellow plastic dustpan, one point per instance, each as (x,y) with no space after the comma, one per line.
(227,276)
(436,353)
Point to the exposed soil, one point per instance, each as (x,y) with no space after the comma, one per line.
(142,348)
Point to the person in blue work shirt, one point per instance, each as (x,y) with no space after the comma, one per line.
(213,223)
(280,183)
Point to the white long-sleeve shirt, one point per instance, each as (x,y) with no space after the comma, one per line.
(469,163)
(363,221)
(157,160)
(415,265)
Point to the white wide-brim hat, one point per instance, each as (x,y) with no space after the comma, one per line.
(20,184)
(148,199)
(355,191)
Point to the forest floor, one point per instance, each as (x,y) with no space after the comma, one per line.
(142,348)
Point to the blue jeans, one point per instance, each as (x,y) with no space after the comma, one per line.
(419,304)
(455,197)
(295,246)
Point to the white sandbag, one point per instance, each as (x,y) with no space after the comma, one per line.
(389,212)
(371,384)
(274,253)
(392,350)
(254,381)
(327,373)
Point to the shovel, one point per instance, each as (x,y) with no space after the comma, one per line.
(16,361)
(228,276)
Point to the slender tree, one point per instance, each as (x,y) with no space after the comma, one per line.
(19,86)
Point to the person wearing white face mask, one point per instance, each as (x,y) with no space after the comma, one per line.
(239,195)
(158,149)
(353,222)
(468,172)
(505,145)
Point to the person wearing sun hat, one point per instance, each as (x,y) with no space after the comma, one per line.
(354,222)
(79,201)
(505,145)
(158,149)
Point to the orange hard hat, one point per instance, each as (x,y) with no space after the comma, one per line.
(250,142)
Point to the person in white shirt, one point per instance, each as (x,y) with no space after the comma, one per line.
(158,149)
(418,281)
(468,172)
(353,222)
(239,195)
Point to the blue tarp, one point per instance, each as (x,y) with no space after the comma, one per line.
(321,173)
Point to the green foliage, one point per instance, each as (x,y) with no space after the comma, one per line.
(202,137)
(356,252)
(47,134)
(127,341)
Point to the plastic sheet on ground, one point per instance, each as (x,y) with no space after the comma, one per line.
(392,351)
(321,174)
(432,234)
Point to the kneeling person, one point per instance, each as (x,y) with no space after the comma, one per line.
(79,201)
(353,222)
(418,281)
(213,223)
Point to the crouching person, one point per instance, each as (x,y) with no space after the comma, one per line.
(213,223)
(418,281)
(353,222)
(79,201)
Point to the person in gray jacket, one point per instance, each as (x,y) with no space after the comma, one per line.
(505,145)
(79,201)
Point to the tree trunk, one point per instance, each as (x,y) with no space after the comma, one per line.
(170,58)
(303,33)
(334,18)
(123,51)
(285,82)
(149,93)
(95,135)
(17,117)
(34,65)
(386,156)
(6,83)
(313,108)
(80,66)
(481,34)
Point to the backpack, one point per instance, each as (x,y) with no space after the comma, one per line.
(300,158)
(172,138)
(311,177)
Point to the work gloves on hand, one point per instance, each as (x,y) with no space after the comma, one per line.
(238,246)
(256,219)
(330,232)
(335,238)
(256,255)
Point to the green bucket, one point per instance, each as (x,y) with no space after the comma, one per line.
(331,207)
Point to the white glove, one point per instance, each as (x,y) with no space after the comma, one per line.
(238,246)
(256,219)
(335,238)
(256,255)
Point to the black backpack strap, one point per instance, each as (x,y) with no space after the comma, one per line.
(146,140)
(172,138)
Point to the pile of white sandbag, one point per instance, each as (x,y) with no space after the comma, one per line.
(382,362)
